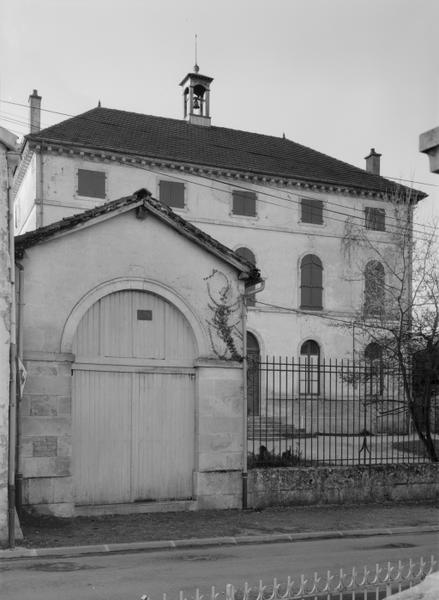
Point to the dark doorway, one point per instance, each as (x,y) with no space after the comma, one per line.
(253,360)
(310,369)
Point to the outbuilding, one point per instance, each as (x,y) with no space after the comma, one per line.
(132,323)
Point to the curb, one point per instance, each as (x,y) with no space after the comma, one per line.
(69,551)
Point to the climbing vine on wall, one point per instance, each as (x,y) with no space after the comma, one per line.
(223,327)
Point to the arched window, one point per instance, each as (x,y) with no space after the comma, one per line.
(374,288)
(310,348)
(311,286)
(248,255)
(253,375)
(373,355)
(309,373)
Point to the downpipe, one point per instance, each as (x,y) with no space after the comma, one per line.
(246,295)
(12,384)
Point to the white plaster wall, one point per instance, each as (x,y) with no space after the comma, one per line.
(61,271)
(24,202)
(276,236)
(5,299)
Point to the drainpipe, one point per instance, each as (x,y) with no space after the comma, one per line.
(245,295)
(40,170)
(244,403)
(12,383)
(19,353)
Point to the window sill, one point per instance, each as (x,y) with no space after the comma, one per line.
(244,217)
(306,224)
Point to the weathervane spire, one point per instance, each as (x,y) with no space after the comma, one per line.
(196,67)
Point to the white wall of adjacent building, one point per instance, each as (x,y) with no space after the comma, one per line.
(276,235)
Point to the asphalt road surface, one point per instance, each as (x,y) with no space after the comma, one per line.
(128,576)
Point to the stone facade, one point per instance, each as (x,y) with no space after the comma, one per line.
(5,316)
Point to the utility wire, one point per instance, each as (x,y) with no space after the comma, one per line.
(289,200)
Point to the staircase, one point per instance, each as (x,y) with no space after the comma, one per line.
(262,428)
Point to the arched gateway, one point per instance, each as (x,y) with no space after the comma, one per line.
(133,401)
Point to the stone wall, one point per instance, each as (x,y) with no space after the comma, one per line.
(45,436)
(5,303)
(342,485)
(219,418)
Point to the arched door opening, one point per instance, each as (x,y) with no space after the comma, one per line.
(253,375)
(309,384)
(248,255)
(373,355)
(133,401)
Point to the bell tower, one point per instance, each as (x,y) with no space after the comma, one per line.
(196,97)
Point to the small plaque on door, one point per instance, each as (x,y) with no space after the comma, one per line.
(144,315)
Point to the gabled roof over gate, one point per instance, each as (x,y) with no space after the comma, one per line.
(144,204)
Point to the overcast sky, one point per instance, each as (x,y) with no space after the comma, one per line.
(340,76)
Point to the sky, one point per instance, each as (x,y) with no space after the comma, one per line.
(339,76)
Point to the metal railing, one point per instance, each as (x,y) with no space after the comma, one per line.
(336,412)
(364,584)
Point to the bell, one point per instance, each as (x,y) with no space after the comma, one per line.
(196,103)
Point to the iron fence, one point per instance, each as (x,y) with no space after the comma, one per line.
(367,584)
(336,412)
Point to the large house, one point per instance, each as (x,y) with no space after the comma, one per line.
(281,205)
(124,294)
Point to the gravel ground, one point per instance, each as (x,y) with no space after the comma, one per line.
(42,532)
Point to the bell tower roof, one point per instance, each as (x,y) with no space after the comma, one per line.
(196,97)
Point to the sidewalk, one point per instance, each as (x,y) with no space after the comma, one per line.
(51,536)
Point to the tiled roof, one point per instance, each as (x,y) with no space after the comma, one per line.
(141,199)
(217,147)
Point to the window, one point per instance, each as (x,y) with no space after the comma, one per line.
(248,255)
(311,211)
(310,348)
(91,183)
(244,203)
(311,288)
(374,288)
(373,351)
(172,193)
(375,218)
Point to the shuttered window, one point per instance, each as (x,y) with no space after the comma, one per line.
(311,287)
(91,183)
(248,255)
(244,203)
(374,290)
(172,193)
(311,211)
(375,218)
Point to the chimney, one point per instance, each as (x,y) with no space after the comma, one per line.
(34,112)
(373,162)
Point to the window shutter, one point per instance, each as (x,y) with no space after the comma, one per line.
(375,218)
(374,290)
(244,203)
(312,211)
(172,193)
(311,288)
(91,183)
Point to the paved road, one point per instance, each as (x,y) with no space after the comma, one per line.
(127,576)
